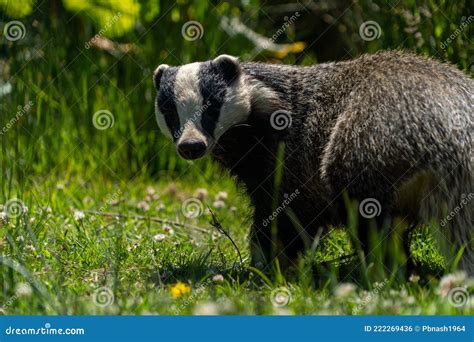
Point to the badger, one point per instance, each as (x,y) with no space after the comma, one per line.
(391,131)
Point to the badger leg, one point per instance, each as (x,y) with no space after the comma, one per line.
(265,248)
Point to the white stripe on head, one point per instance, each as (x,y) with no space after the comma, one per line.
(188,96)
(236,106)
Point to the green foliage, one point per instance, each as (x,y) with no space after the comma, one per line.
(79,57)
(17,9)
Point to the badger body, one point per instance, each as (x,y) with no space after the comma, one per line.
(391,128)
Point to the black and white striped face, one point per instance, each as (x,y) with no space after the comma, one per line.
(197,103)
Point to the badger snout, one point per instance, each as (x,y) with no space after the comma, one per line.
(192,148)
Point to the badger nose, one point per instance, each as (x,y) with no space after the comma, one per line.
(192,149)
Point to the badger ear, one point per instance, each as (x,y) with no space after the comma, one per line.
(228,66)
(158,74)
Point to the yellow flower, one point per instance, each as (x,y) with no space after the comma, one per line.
(179,289)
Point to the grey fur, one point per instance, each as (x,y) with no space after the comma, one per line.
(391,126)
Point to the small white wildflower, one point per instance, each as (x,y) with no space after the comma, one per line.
(233,209)
(218,278)
(414,278)
(159,237)
(160,207)
(60,186)
(221,196)
(49,210)
(132,247)
(219,204)
(150,190)
(344,290)
(23,290)
(3,216)
(201,194)
(168,230)
(206,309)
(410,300)
(282,312)
(450,281)
(30,248)
(79,215)
(143,206)
(20,238)
(32,220)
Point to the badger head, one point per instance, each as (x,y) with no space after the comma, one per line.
(197,103)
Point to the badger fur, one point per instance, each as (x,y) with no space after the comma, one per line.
(393,128)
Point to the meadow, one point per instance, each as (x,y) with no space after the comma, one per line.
(100,216)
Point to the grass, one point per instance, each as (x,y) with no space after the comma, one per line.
(93,264)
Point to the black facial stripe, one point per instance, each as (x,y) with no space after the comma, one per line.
(167,102)
(212,86)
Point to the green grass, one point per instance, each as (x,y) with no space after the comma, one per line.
(67,259)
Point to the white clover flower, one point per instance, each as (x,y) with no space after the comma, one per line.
(150,191)
(168,229)
(414,278)
(79,215)
(206,309)
(451,281)
(143,205)
(24,290)
(219,204)
(221,196)
(344,290)
(159,237)
(218,278)
(201,194)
